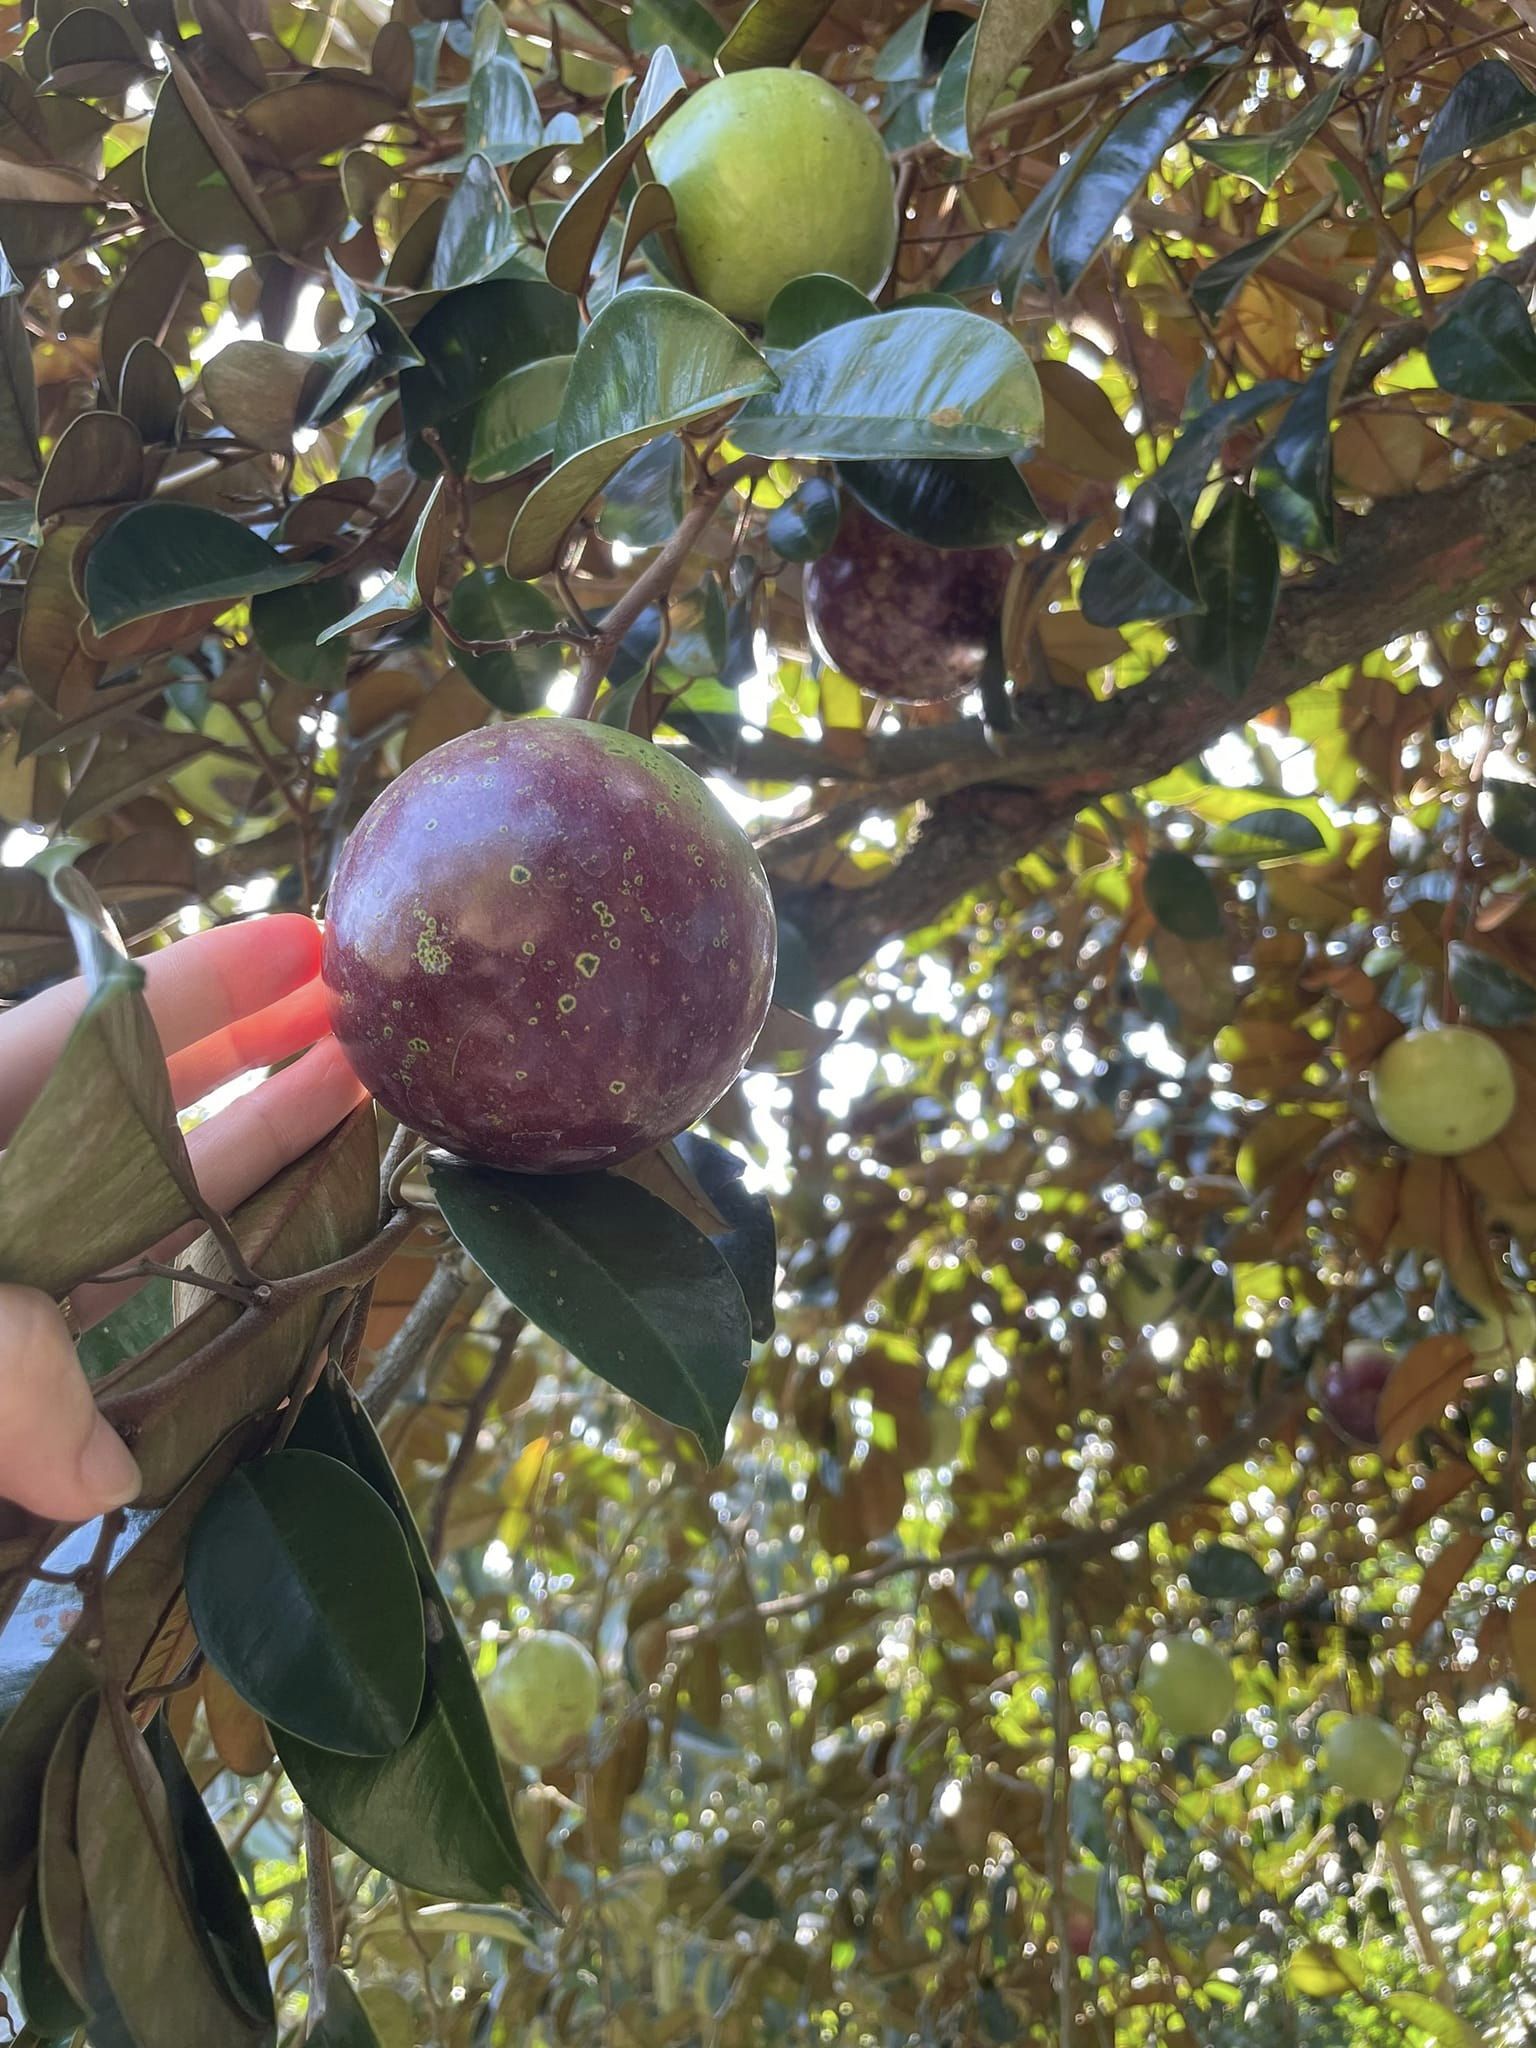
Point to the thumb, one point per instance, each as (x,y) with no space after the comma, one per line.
(58,1457)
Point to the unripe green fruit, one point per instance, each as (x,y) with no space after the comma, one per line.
(1189,1686)
(1364,1757)
(775,173)
(1443,1092)
(1505,1326)
(542,1696)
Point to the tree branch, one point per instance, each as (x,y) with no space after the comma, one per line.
(1402,568)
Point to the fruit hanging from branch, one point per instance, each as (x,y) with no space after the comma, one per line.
(542,1697)
(775,173)
(1443,1091)
(1189,1686)
(902,620)
(547,946)
(1348,1390)
(1363,1756)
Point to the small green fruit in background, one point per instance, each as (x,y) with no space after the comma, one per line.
(775,173)
(227,792)
(542,1696)
(1363,1756)
(1189,1686)
(1443,1091)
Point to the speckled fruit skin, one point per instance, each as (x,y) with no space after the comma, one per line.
(775,173)
(903,620)
(547,947)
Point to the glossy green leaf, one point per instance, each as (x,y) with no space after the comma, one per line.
(770,32)
(1118,167)
(469,342)
(1005,34)
(1488,101)
(149,394)
(946,504)
(1508,810)
(1264,834)
(928,382)
(1220,1571)
(286,625)
(749,1246)
(154,1953)
(502,121)
(1145,572)
(805,525)
(487,605)
(1214,286)
(946,119)
(900,59)
(1237,572)
(1489,992)
(1264,158)
(304,1597)
(1180,896)
(221,1908)
(1484,345)
(414,579)
(811,305)
(160,555)
(644,501)
(651,361)
(515,421)
(685,25)
(478,233)
(345,2024)
(618,1278)
(1293,477)
(433,1814)
(194,177)
(573,241)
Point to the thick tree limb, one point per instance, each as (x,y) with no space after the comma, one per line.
(1404,567)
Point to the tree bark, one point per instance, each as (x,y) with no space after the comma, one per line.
(1403,567)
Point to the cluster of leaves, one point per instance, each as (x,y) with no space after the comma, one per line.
(342,408)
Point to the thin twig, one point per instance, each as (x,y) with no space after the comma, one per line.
(453,1283)
(319,1915)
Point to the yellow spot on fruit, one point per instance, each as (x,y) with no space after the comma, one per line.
(587,965)
(615,1087)
(565,1004)
(419,1045)
(529,948)
(603,915)
(520,874)
(432,952)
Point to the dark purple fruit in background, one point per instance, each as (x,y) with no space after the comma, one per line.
(1349,1388)
(547,947)
(898,618)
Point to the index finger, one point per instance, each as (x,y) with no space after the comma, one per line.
(194,988)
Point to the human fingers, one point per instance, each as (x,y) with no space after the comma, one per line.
(260,1040)
(240,1149)
(58,1456)
(194,988)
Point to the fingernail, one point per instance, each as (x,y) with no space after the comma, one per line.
(107,1468)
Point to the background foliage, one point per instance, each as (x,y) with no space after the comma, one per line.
(1088,1185)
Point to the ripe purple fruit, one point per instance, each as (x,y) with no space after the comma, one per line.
(901,619)
(547,947)
(1349,1390)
